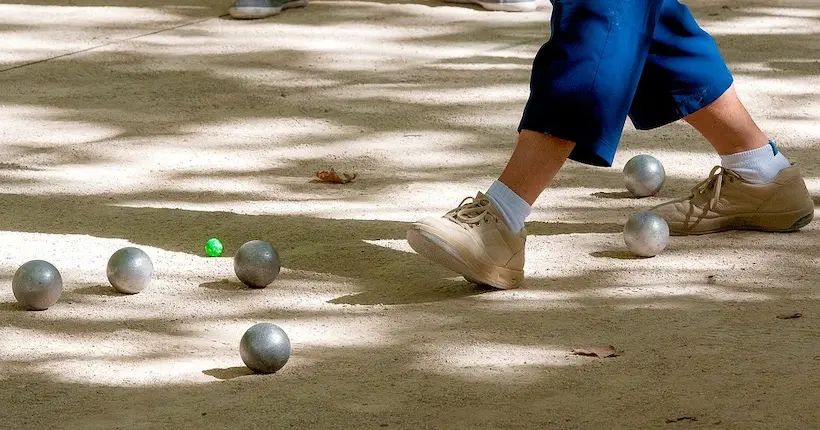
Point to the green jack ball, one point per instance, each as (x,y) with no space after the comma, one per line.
(213,247)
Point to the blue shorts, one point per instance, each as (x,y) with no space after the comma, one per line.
(609,59)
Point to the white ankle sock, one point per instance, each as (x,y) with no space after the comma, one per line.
(512,207)
(759,165)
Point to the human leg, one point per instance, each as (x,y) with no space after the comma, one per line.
(685,77)
(582,84)
(727,125)
(742,146)
(483,238)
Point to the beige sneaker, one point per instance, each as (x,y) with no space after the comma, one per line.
(474,241)
(725,201)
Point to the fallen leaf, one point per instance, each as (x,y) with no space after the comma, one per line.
(605,351)
(790,316)
(331,176)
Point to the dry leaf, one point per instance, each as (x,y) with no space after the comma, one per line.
(331,176)
(597,351)
(789,316)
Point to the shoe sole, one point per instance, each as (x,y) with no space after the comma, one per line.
(438,251)
(501,7)
(263,12)
(746,223)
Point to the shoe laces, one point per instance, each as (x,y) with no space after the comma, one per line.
(711,186)
(472,211)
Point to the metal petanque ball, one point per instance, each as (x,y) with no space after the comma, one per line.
(644,175)
(646,234)
(129,270)
(256,264)
(265,348)
(37,285)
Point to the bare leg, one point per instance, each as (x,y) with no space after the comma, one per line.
(727,125)
(772,195)
(474,240)
(536,160)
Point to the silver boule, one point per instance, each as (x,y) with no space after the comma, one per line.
(646,234)
(37,285)
(256,264)
(644,175)
(129,270)
(265,348)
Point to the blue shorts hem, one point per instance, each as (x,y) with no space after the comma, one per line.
(685,105)
(598,154)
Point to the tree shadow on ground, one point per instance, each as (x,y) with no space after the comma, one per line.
(464,365)
(363,97)
(720,354)
(332,246)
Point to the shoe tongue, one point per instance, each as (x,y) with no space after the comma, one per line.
(730,172)
(490,206)
(481,197)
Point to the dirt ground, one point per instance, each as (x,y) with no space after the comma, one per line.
(159,124)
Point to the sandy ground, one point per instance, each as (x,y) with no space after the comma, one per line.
(160,124)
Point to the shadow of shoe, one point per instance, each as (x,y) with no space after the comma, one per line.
(455,290)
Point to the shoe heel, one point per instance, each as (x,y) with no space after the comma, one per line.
(802,222)
(439,252)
